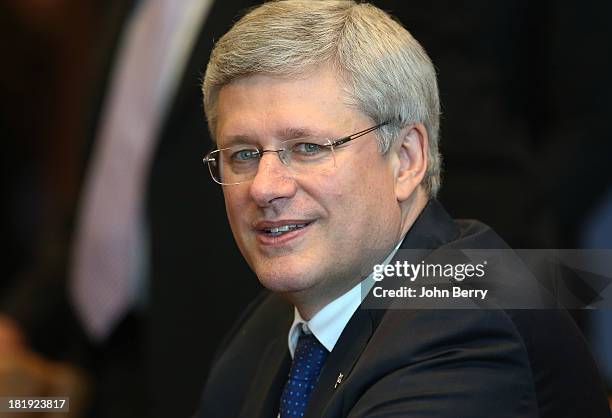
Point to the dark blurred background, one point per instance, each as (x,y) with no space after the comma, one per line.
(527,147)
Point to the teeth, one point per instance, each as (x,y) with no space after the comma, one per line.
(278,230)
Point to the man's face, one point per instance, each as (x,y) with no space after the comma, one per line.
(350,212)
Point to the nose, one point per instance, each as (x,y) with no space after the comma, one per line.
(273,181)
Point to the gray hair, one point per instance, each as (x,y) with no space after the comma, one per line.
(385,72)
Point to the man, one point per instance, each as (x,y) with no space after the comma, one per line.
(325,115)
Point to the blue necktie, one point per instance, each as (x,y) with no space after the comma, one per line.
(308,360)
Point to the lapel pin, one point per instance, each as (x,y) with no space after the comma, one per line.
(339,380)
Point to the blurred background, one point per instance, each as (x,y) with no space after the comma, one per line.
(102,138)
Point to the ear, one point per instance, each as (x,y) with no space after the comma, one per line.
(410,152)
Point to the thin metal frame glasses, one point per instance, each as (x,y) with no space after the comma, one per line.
(239,164)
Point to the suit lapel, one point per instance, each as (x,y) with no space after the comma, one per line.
(265,391)
(340,363)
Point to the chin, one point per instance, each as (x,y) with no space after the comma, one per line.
(285,279)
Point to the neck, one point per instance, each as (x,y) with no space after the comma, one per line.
(411,209)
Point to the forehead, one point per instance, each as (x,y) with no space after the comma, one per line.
(263,106)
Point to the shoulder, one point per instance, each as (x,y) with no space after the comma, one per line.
(565,376)
(482,362)
(267,316)
(263,324)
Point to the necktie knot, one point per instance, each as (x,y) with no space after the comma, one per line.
(308,360)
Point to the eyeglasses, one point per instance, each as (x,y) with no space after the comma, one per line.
(239,164)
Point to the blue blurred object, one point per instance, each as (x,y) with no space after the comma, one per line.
(597,233)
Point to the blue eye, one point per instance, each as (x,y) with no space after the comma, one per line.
(245,155)
(307,148)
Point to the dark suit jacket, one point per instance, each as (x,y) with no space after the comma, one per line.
(416,363)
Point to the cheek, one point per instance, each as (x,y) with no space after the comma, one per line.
(325,191)
(235,205)
(373,196)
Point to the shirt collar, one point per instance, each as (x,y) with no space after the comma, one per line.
(327,324)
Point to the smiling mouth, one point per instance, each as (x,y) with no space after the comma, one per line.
(283,229)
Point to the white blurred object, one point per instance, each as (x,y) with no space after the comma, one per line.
(109,260)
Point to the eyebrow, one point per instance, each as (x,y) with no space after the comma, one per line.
(282,135)
(234,140)
(295,133)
